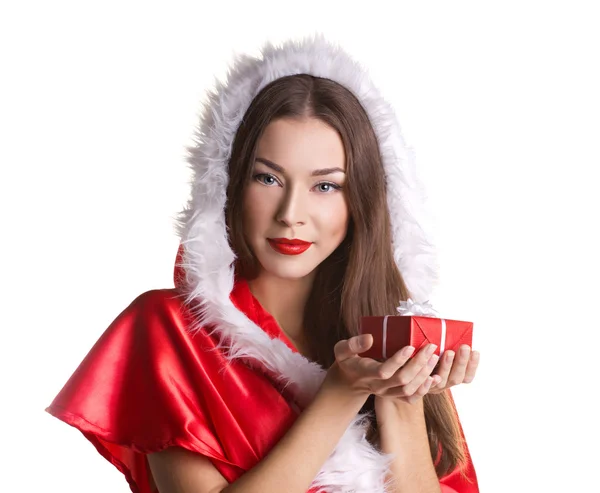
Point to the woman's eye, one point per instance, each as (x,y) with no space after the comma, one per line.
(265,179)
(327,187)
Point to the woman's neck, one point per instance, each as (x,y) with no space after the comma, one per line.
(285,300)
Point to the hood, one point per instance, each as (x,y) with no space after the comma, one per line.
(206,260)
(207,255)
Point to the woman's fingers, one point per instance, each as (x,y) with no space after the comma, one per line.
(390,366)
(454,370)
(443,370)
(422,390)
(347,354)
(423,377)
(410,377)
(346,348)
(412,369)
(459,368)
(411,397)
(471,367)
(400,376)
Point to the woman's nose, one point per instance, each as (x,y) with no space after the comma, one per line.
(292,211)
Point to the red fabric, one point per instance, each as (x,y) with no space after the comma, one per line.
(458,481)
(147,384)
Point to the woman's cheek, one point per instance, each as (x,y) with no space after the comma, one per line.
(253,199)
(249,211)
(335,214)
(259,208)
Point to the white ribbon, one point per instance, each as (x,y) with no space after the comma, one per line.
(443,338)
(385,319)
(409,307)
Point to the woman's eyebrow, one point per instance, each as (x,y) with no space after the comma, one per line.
(280,169)
(270,164)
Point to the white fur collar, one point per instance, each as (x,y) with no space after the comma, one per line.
(355,466)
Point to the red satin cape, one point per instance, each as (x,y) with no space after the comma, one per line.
(148,384)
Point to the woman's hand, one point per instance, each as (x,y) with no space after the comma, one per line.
(454,370)
(399,376)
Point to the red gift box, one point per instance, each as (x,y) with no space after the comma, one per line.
(392,333)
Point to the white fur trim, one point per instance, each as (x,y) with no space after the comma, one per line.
(354,466)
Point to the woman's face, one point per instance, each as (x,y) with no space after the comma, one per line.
(296,193)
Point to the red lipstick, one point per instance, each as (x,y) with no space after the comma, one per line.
(288,247)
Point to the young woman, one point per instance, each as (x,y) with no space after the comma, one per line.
(306,214)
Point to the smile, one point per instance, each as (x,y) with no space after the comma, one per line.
(288,247)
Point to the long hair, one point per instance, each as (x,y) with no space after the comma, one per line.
(360,277)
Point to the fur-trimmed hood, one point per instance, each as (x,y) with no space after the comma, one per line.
(207,258)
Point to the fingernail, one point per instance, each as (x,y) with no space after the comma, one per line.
(363,341)
(433,360)
(408,351)
(432,349)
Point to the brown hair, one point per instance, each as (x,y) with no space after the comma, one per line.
(361,277)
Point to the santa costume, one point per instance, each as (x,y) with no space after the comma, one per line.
(202,365)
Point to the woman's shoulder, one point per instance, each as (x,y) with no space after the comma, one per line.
(168,304)
(155,319)
(156,299)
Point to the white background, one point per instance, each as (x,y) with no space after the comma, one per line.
(500,101)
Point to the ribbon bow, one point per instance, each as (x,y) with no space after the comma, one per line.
(409,307)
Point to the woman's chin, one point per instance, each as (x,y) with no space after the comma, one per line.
(288,270)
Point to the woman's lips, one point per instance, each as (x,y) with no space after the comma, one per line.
(288,247)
